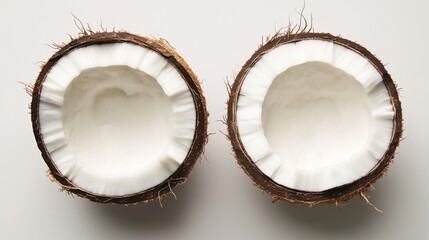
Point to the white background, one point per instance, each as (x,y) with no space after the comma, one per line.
(218,201)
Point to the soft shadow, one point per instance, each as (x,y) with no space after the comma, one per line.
(150,216)
(329,219)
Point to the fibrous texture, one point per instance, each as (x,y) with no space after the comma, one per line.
(119,118)
(313,118)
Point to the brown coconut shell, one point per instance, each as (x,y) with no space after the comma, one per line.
(165,50)
(334,195)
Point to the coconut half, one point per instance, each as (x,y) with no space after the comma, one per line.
(119,118)
(313,118)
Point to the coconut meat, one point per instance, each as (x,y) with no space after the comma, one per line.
(116,118)
(314,115)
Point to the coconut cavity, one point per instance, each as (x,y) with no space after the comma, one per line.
(311,118)
(315,116)
(116,121)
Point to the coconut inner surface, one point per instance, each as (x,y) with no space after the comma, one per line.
(315,115)
(116,119)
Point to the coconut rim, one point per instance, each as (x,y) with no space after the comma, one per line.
(332,195)
(163,48)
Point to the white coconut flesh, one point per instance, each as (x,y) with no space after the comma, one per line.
(116,118)
(314,115)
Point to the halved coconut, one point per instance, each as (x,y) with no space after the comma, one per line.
(119,118)
(313,118)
